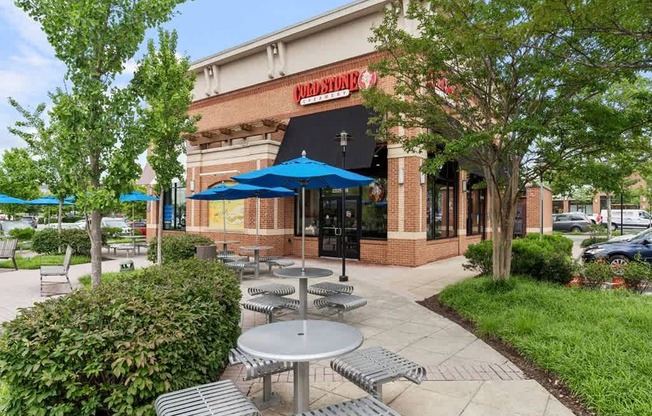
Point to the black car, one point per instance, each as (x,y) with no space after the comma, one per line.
(618,253)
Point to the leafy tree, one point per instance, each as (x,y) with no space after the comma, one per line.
(96,119)
(44,143)
(19,177)
(478,81)
(166,84)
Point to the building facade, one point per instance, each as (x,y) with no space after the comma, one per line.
(295,90)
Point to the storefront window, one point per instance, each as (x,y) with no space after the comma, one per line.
(476,203)
(586,208)
(174,208)
(441,206)
(374,209)
(312,212)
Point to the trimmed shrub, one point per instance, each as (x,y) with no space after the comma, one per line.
(595,273)
(479,257)
(46,241)
(177,247)
(637,274)
(546,259)
(114,349)
(22,234)
(112,232)
(592,240)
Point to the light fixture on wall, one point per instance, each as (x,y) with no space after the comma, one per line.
(191,185)
(401,176)
(210,71)
(423,178)
(274,49)
(464,186)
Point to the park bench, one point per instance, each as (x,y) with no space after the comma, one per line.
(279,262)
(364,406)
(219,398)
(259,367)
(340,302)
(128,247)
(272,289)
(56,271)
(8,250)
(370,368)
(329,288)
(240,267)
(270,305)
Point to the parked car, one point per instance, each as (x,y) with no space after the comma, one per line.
(571,221)
(7,226)
(65,226)
(618,253)
(627,218)
(33,221)
(108,222)
(647,233)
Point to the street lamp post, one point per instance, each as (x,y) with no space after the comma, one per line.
(343,138)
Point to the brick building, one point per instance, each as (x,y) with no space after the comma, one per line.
(266,101)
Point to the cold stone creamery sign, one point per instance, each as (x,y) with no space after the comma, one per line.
(331,88)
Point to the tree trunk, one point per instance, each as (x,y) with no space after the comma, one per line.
(59,216)
(503,214)
(159,230)
(95,232)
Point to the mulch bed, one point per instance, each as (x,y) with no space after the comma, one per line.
(549,381)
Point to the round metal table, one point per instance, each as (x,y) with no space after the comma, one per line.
(303,274)
(225,243)
(300,341)
(256,250)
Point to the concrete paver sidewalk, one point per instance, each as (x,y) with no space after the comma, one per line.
(465,376)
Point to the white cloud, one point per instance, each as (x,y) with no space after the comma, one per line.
(25,28)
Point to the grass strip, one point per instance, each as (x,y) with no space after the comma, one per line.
(35,262)
(597,342)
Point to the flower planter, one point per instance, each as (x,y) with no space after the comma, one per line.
(617,283)
(576,281)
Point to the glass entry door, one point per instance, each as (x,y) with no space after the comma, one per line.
(330,241)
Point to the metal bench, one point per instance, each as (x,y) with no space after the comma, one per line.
(240,267)
(8,250)
(272,289)
(128,247)
(364,406)
(280,262)
(370,368)
(258,367)
(270,305)
(329,288)
(341,302)
(220,398)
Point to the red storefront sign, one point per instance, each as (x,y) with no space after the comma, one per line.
(330,88)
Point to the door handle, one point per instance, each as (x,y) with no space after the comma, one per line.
(338,231)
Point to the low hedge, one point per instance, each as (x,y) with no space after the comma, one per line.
(49,241)
(114,349)
(547,259)
(177,247)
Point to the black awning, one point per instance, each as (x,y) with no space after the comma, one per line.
(315,133)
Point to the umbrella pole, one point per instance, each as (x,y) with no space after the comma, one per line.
(303,229)
(224,222)
(257,218)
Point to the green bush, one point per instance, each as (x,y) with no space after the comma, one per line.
(479,257)
(46,241)
(547,259)
(637,274)
(177,247)
(595,273)
(114,349)
(49,241)
(22,234)
(112,232)
(592,240)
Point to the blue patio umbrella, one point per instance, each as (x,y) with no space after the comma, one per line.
(6,199)
(135,196)
(303,173)
(241,191)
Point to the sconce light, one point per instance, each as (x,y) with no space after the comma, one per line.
(464,186)
(192,185)
(401,176)
(210,71)
(274,49)
(423,178)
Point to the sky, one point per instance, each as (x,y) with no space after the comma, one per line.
(29,69)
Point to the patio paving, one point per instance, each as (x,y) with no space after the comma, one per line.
(465,376)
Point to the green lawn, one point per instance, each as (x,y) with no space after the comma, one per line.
(35,262)
(106,277)
(598,342)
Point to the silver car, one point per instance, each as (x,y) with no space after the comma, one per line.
(571,222)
